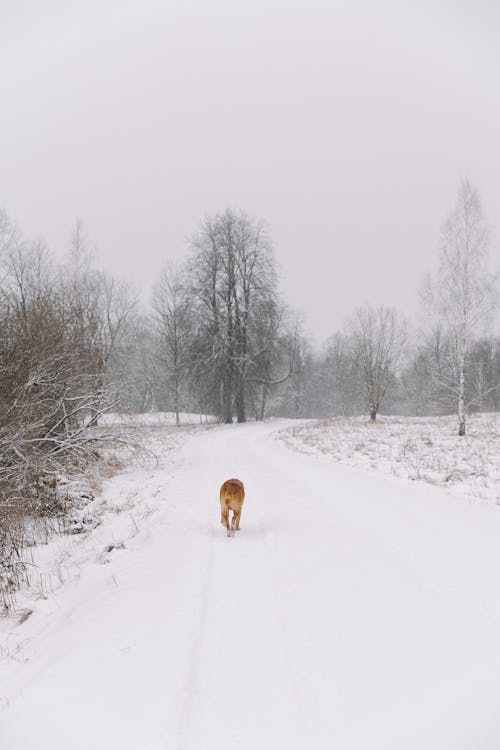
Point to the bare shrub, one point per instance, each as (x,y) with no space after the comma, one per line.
(12,541)
(60,326)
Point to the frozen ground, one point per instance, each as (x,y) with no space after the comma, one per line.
(351,611)
(419,448)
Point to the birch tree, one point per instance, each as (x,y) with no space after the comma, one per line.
(461,295)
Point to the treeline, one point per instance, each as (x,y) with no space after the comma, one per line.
(447,362)
(425,381)
(219,339)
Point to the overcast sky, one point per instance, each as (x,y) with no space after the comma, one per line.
(347,125)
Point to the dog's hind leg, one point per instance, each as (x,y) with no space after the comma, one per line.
(236,519)
(225,518)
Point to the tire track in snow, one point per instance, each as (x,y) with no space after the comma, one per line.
(292,672)
(241,689)
(309,705)
(191,688)
(241,696)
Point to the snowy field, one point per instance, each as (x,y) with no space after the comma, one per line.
(351,611)
(419,448)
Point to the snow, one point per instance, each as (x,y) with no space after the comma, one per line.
(351,611)
(420,448)
(153,419)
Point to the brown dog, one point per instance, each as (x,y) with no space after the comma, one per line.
(232,494)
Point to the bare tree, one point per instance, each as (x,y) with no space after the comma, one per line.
(377,339)
(461,296)
(233,290)
(339,377)
(98,309)
(172,319)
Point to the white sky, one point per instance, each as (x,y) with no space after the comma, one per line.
(347,125)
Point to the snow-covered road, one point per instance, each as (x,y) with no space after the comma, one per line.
(350,611)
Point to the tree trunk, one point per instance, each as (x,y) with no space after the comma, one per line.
(373,413)
(461,390)
(461,403)
(177,420)
(265,389)
(240,400)
(227,400)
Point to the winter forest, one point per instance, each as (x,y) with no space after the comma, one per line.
(249,375)
(216,336)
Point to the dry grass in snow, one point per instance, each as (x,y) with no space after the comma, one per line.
(417,448)
(57,549)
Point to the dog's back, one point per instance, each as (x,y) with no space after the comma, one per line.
(232,494)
